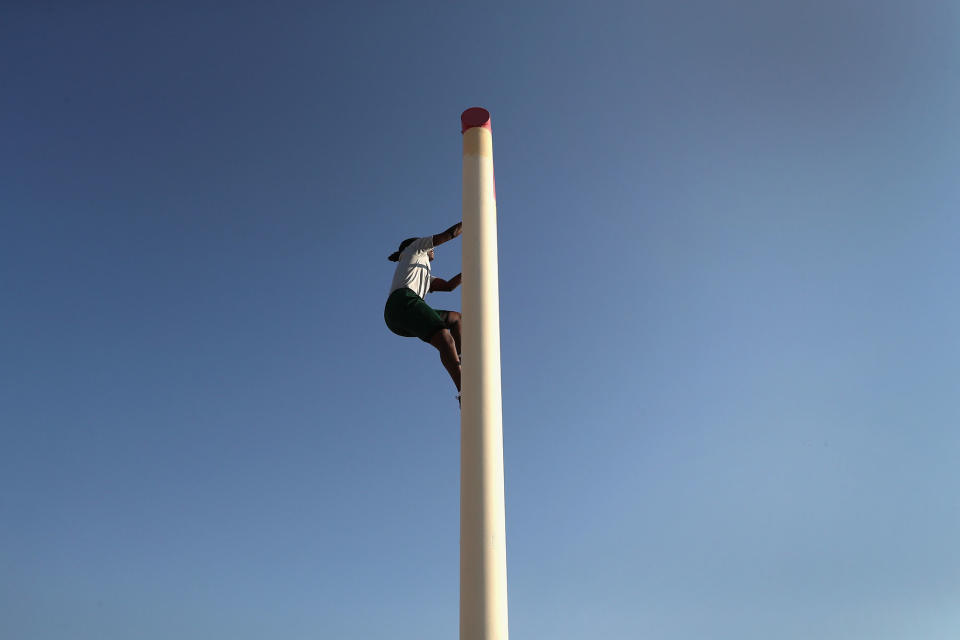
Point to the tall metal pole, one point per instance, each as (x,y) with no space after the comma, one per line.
(483,551)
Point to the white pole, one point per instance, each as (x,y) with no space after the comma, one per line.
(483,552)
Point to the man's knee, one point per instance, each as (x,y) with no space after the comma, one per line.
(443,340)
(453,319)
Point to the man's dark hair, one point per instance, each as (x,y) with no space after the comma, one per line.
(395,256)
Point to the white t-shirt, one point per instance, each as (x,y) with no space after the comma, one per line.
(413,270)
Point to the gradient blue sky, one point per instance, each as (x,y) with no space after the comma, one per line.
(728,255)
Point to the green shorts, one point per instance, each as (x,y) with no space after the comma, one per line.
(407,315)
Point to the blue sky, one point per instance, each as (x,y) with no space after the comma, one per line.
(728,253)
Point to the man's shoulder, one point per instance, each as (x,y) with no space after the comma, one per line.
(423,244)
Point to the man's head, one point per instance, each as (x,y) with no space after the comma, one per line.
(395,256)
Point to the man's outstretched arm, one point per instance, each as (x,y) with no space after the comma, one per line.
(439,284)
(447,235)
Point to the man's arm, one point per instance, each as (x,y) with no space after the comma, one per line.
(449,234)
(439,284)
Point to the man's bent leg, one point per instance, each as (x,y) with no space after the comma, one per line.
(452,320)
(447,347)
(453,323)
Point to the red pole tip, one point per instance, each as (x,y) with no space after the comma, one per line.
(474,117)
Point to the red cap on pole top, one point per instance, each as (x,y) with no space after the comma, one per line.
(475,117)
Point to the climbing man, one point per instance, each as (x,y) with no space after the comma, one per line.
(407,314)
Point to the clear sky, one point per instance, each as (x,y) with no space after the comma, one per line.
(728,253)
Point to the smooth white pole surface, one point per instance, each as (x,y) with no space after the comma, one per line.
(483,552)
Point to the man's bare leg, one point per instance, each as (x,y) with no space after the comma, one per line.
(445,344)
(453,324)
